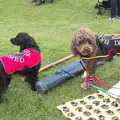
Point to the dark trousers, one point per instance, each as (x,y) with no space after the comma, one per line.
(115,8)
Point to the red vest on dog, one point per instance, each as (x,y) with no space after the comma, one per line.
(16,62)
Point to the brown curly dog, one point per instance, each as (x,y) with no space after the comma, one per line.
(86,43)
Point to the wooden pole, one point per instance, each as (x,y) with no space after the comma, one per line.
(69,57)
(56,62)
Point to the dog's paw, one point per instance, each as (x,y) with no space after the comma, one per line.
(85,86)
(84,76)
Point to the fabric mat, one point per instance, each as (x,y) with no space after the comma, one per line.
(98,106)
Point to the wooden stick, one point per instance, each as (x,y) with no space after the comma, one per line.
(68,57)
(56,62)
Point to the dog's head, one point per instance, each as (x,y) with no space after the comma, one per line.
(84,43)
(24,40)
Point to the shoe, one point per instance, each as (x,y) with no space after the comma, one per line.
(38,3)
(118,17)
(111,18)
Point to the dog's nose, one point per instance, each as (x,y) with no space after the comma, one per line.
(87,49)
(11,39)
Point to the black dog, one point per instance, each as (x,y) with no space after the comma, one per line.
(27,62)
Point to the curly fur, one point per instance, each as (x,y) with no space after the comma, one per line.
(84,45)
(24,40)
(84,42)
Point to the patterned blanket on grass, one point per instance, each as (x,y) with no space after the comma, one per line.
(98,106)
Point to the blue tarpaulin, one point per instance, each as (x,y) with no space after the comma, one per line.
(61,75)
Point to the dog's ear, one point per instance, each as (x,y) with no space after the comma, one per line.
(30,42)
(27,41)
(73,48)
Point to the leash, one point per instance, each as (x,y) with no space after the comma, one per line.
(101,83)
(97,87)
(103,90)
(97,57)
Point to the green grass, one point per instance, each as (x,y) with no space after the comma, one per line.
(52,25)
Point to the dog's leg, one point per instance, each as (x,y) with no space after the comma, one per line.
(4,82)
(1,92)
(90,68)
(32,79)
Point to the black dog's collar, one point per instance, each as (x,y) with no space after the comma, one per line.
(37,49)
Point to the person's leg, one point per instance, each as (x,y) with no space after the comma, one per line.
(114,8)
(118,8)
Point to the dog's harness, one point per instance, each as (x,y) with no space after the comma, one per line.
(28,58)
(107,47)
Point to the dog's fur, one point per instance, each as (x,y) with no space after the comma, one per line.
(24,41)
(85,43)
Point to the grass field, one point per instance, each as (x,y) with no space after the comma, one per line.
(52,25)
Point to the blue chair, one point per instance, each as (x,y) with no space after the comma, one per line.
(106,4)
(39,2)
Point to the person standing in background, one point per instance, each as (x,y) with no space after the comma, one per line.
(115,9)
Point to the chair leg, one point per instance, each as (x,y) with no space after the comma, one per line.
(52,1)
(34,1)
(99,11)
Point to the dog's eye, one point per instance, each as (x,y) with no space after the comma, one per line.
(81,42)
(89,42)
